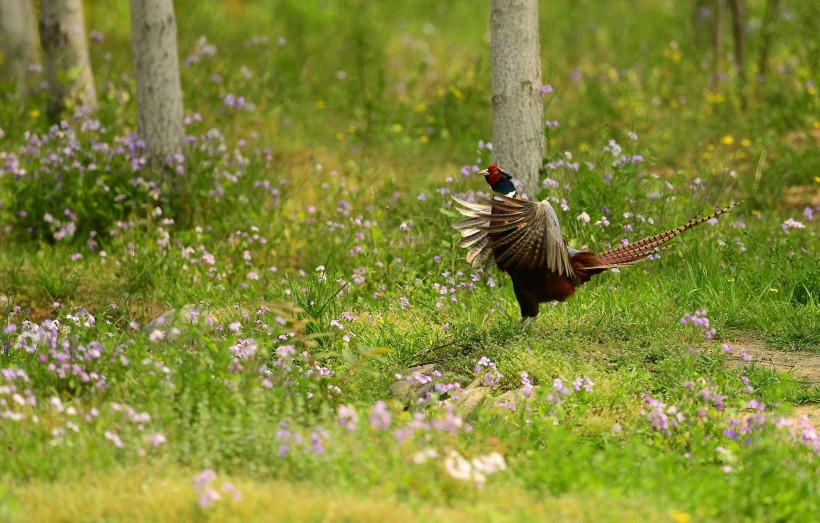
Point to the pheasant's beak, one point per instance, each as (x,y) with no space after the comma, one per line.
(485,172)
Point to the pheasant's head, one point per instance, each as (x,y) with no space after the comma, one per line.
(499,180)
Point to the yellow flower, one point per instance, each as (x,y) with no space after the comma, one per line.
(817,179)
(424,139)
(583,147)
(773,289)
(34,113)
(679,517)
(340,136)
(397,127)
(419,107)
(746,142)
(715,98)
(320,104)
(728,139)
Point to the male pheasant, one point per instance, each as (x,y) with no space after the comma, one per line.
(525,240)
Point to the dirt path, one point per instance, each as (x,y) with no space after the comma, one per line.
(804,365)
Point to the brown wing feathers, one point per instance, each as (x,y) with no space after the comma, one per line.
(518,233)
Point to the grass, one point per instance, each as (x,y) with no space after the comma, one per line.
(310,260)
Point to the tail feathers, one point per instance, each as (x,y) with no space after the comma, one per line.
(635,252)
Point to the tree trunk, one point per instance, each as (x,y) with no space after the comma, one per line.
(772,10)
(19,42)
(739,36)
(65,46)
(717,42)
(156,71)
(518,134)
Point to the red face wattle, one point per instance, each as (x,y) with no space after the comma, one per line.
(493,175)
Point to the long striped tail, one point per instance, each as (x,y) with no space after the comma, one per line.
(635,252)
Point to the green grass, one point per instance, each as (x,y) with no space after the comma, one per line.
(302,229)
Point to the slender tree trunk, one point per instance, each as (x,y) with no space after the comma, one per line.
(772,9)
(19,42)
(518,134)
(739,36)
(65,46)
(717,41)
(156,71)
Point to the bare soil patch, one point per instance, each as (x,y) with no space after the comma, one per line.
(804,365)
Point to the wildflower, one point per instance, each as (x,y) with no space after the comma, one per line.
(285,351)
(492,377)
(475,470)
(404,302)
(424,455)
(156,440)
(208,497)
(113,438)
(559,387)
(317,439)
(545,89)
(699,319)
(379,416)
(526,384)
(229,488)
(235,102)
(791,223)
(458,467)
(348,418)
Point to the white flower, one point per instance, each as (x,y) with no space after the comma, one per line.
(424,455)
(458,467)
(489,464)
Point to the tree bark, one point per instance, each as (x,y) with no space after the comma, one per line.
(739,35)
(19,42)
(717,42)
(518,134)
(156,71)
(65,46)
(772,10)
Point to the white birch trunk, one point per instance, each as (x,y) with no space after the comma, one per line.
(518,134)
(65,49)
(19,42)
(156,71)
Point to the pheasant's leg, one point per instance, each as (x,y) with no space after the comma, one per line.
(528,304)
(526,322)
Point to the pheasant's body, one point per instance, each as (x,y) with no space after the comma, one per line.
(525,240)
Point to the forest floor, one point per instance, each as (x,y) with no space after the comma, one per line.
(325,352)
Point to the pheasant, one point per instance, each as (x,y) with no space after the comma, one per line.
(525,240)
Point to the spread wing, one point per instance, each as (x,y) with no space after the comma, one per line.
(519,234)
(475,238)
